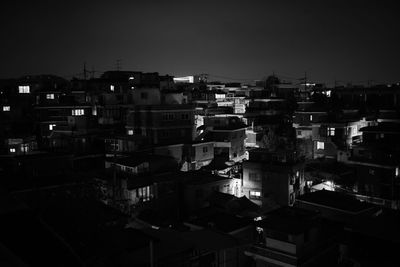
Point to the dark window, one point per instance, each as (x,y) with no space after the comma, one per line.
(143,95)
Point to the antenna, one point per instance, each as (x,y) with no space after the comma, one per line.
(118,64)
(84,70)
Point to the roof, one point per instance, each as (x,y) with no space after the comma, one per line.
(382,128)
(222,221)
(210,240)
(289,220)
(335,200)
(137,159)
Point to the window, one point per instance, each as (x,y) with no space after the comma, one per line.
(291,199)
(253,176)
(255,195)
(12,150)
(205,149)
(112,88)
(144,193)
(310,117)
(168,116)
(49,96)
(143,95)
(130,132)
(24,148)
(78,112)
(24,89)
(331,131)
(320,145)
(131,78)
(298,133)
(6,108)
(51,127)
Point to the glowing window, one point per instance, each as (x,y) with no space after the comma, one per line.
(255,194)
(24,89)
(24,148)
(130,132)
(310,117)
(12,150)
(331,131)
(131,78)
(6,108)
(78,112)
(320,145)
(49,96)
(112,88)
(51,127)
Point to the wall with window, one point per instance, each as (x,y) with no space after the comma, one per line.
(146,96)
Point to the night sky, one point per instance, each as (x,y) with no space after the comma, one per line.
(343,40)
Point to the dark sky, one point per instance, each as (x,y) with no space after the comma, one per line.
(344,40)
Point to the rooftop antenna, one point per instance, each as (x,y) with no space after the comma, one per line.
(84,71)
(118,64)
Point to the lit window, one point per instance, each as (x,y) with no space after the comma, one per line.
(297,174)
(255,194)
(320,145)
(51,127)
(131,78)
(12,150)
(130,132)
(24,148)
(23,89)
(310,117)
(331,131)
(78,112)
(112,88)
(6,108)
(397,171)
(49,96)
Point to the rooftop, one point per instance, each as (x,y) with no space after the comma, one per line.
(289,220)
(336,200)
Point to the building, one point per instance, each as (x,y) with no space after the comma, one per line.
(273,178)
(293,237)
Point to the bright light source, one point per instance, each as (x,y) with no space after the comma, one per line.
(24,89)
(112,88)
(6,108)
(51,127)
(320,145)
(78,112)
(12,150)
(131,78)
(49,96)
(130,132)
